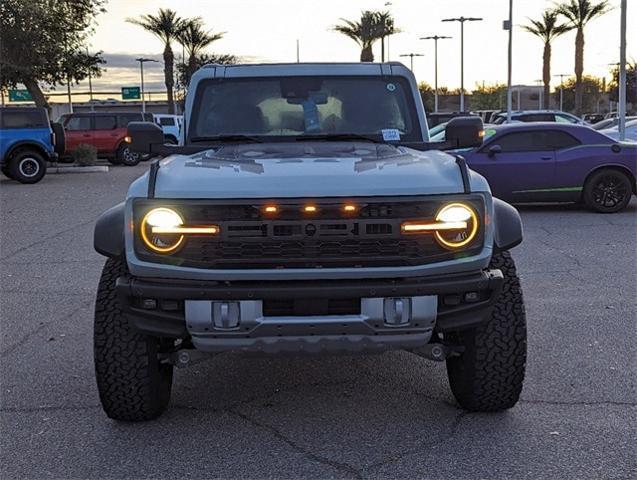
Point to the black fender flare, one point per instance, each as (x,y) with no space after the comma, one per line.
(108,236)
(507,226)
(25,145)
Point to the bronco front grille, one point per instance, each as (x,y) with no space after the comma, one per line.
(329,237)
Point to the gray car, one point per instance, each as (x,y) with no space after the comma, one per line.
(306,211)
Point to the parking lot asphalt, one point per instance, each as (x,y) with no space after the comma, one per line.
(379,416)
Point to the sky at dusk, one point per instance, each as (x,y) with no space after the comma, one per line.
(266,31)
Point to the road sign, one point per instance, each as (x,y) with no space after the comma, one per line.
(131,93)
(16,95)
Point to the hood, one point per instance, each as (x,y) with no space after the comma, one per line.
(310,169)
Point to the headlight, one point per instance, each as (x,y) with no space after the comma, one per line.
(455,226)
(163,230)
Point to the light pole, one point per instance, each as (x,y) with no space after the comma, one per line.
(508,25)
(435,38)
(141,61)
(462,20)
(561,75)
(411,56)
(539,90)
(621,110)
(387,4)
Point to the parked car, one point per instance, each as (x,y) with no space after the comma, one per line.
(537,116)
(27,141)
(170,124)
(106,131)
(609,123)
(436,118)
(487,115)
(303,213)
(593,117)
(550,162)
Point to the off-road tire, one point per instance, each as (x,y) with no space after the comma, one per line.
(607,191)
(488,375)
(126,157)
(133,385)
(6,171)
(27,166)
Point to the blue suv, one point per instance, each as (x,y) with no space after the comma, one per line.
(27,141)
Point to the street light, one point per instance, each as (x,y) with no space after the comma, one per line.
(462,20)
(561,75)
(141,61)
(387,4)
(411,56)
(621,111)
(435,38)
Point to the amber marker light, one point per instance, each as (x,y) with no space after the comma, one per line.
(128,139)
(271,209)
(310,209)
(349,208)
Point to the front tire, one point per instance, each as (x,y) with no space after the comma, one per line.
(608,191)
(133,384)
(126,156)
(488,375)
(27,166)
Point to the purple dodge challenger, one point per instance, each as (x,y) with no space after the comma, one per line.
(551,162)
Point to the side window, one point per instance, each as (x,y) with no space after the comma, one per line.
(537,117)
(167,121)
(123,119)
(22,120)
(78,123)
(558,140)
(564,119)
(534,141)
(105,122)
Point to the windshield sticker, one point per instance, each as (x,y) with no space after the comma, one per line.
(391,87)
(391,134)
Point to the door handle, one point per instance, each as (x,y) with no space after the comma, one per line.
(547,158)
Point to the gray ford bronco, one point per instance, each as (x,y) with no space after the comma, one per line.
(305,210)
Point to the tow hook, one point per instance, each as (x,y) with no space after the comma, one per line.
(437,351)
(183,358)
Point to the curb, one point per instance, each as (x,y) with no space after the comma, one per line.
(92,169)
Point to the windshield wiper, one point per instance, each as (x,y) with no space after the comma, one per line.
(227,138)
(338,137)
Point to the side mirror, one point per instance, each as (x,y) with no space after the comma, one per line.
(145,137)
(494,150)
(464,132)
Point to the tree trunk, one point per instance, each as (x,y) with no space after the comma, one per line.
(579,71)
(192,66)
(367,55)
(168,77)
(546,76)
(36,94)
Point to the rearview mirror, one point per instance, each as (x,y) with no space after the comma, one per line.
(493,150)
(145,137)
(464,132)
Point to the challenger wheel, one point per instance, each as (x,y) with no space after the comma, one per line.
(27,166)
(488,375)
(608,191)
(132,382)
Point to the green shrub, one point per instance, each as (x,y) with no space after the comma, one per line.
(85,155)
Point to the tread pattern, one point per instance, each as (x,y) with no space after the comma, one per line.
(132,384)
(488,376)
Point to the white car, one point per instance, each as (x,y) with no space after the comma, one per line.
(170,124)
(631,131)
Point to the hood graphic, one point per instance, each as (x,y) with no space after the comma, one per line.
(316,169)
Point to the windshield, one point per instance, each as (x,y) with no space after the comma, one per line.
(286,108)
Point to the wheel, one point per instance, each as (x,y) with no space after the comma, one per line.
(608,191)
(27,166)
(133,385)
(488,374)
(126,156)
(6,171)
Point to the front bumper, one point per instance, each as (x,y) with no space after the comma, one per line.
(394,313)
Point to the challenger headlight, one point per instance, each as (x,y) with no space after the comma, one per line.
(163,231)
(454,226)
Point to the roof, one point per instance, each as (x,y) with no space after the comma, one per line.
(539,126)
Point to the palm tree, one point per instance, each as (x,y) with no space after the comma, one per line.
(166,25)
(547,29)
(364,32)
(385,24)
(579,13)
(194,39)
